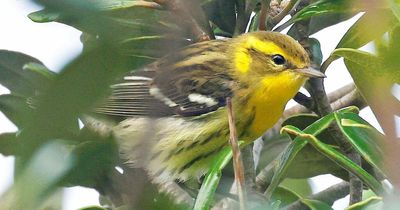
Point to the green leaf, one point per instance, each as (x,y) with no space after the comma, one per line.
(95,157)
(43,73)
(8,144)
(141,33)
(320,22)
(74,91)
(369,203)
(364,138)
(285,195)
(338,158)
(360,32)
(337,6)
(300,187)
(92,208)
(293,149)
(367,69)
(39,178)
(44,16)
(16,109)
(395,6)
(381,20)
(316,205)
(374,76)
(309,156)
(210,183)
(13,76)
(222,13)
(323,7)
(315,50)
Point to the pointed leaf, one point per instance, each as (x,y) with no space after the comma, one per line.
(222,13)
(364,138)
(293,149)
(16,109)
(39,178)
(285,196)
(360,32)
(210,183)
(13,75)
(320,22)
(339,158)
(395,6)
(323,7)
(44,16)
(8,144)
(316,205)
(94,160)
(369,203)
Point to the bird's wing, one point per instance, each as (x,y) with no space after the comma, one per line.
(174,85)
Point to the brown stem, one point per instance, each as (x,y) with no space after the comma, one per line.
(262,24)
(328,196)
(237,159)
(200,33)
(248,164)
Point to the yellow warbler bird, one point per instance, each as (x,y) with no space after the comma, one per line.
(175,119)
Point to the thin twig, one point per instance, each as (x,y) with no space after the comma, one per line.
(343,97)
(304,100)
(237,159)
(328,196)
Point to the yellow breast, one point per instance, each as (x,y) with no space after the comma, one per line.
(268,101)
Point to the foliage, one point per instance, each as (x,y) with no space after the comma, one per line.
(121,35)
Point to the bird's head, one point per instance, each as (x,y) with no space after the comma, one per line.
(270,54)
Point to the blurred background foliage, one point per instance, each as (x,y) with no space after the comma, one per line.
(320,137)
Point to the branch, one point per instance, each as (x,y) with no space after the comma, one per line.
(328,196)
(177,7)
(323,108)
(249,168)
(265,5)
(315,87)
(237,159)
(343,97)
(264,178)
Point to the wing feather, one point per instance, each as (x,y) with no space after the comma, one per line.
(171,86)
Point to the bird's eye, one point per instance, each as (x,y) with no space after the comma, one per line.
(278,59)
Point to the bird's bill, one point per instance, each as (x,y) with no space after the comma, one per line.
(311,72)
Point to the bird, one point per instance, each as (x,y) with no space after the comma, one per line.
(172,115)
